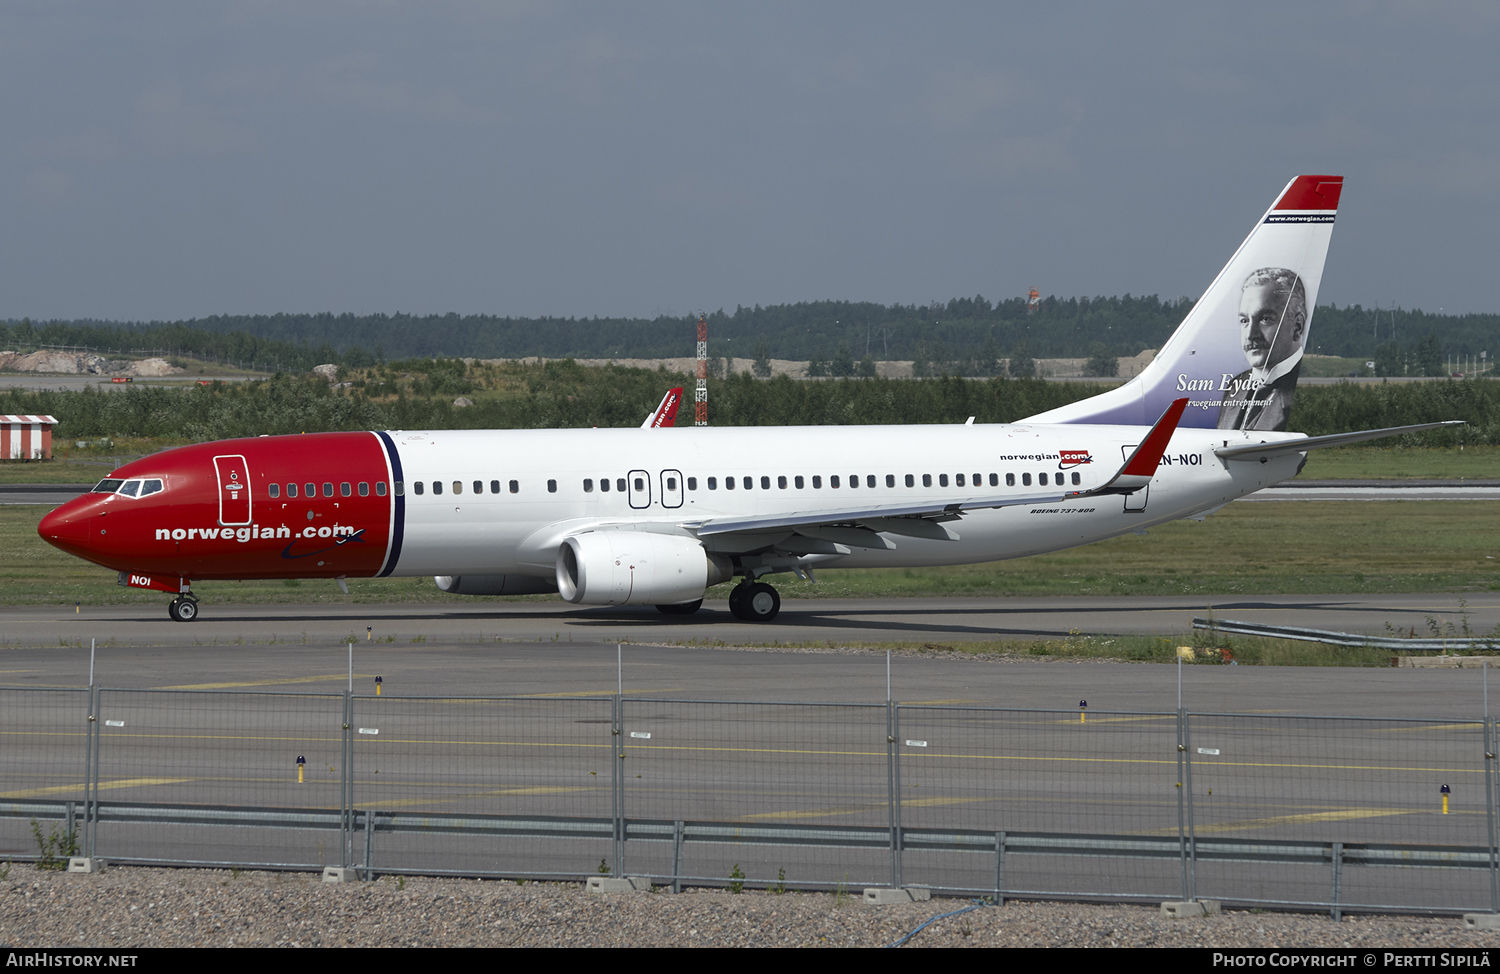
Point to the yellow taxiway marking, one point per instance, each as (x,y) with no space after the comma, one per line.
(1267,823)
(271,683)
(935,703)
(103,786)
(597,693)
(537,790)
(869,806)
(1429,727)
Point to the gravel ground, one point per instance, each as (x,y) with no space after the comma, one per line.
(136,907)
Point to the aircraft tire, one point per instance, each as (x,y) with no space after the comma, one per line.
(172,611)
(680,608)
(737,600)
(185,610)
(761,603)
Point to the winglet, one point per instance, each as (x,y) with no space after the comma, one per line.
(1141,466)
(666,413)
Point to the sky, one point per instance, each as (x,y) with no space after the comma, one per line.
(166,160)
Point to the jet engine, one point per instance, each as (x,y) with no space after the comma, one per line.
(636,568)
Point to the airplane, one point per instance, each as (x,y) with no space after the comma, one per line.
(666,413)
(626,517)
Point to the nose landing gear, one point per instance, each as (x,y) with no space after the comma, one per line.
(183,609)
(754,602)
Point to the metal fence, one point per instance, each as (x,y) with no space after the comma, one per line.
(1332,813)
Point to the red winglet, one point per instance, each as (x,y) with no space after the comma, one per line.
(1144,460)
(1312,193)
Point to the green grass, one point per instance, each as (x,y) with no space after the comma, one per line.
(1208,650)
(1312,547)
(1403,463)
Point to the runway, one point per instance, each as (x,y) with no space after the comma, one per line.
(446,649)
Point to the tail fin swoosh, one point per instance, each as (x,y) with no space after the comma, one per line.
(1237,354)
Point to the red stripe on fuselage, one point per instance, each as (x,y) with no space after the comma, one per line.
(179,531)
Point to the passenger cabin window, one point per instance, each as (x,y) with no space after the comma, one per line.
(274,490)
(311,490)
(291,490)
(833,482)
(927,480)
(437,487)
(958,480)
(494,486)
(417,486)
(942,480)
(798,482)
(458,487)
(713,483)
(400,488)
(994,480)
(1041,478)
(1010,480)
(478,486)
(551,486)
(869,480)
(692,483)
(1076,479)
(364,489)
(588,485)
(604,484)
(817,482)
(515,486)
(640,483)
(729,483)
(671,483)
(750,482)
(890,480)
(765,483)
(328,490)
(619,485)
(853,481)
(1025,480)
(345,490)
(380,488)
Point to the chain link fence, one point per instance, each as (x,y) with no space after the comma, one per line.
(1332,813)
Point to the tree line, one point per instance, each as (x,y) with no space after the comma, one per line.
(965,336)
(564,394)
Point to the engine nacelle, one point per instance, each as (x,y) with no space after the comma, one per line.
(636,568)
(494,584)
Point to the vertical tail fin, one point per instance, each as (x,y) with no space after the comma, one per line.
(1237,354)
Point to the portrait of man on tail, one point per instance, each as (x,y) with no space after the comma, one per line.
(1273,328)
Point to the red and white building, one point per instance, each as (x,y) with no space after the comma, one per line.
(26,437)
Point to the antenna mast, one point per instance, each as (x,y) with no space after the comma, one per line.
(700,394)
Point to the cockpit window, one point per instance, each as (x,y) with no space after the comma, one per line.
(107,486)
(150,487)
(131,488)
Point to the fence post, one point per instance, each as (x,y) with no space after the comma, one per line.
(1489,806)
(890,788)
(88,769)
(1181,807)
(616,809)
(1187,786)
(91,779)
(346,784)
(1000,868)
(896,837)
(677,856)
(1334,913)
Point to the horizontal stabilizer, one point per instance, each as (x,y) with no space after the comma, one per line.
(1256,451)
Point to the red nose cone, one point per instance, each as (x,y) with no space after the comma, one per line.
(65,527)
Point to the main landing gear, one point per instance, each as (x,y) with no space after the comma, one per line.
(184,608)
(754,601)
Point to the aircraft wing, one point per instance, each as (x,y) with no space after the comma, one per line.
(1256,451)
(924,520)
(666,413)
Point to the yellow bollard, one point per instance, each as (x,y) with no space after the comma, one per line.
(369,633)
(377,686)
(301,763)
(1445,799)
(77,608)
(1083,711)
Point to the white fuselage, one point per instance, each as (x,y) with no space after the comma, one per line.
(667,474)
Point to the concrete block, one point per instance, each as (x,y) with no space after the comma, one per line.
(1189,908)
(340,874)
(603,885)
(86,864)
(884,895)
(1482,921)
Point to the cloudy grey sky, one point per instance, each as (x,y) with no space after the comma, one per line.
(166,160)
